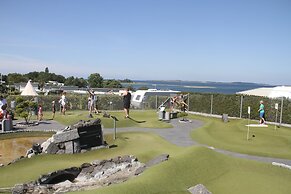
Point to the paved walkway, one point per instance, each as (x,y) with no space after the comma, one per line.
(45,125)
(180,135)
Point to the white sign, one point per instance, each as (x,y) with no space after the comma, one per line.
(276,106)
(249,110)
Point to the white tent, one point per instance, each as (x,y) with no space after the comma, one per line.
(276,92)
(29,90)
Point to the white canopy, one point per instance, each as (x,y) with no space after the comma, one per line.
(276,92)
(29,90)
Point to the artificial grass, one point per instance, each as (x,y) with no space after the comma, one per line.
(185,168)
(232,136)
(145,119)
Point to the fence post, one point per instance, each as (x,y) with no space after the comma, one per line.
(211,101)
(241,106)
(281,113)
(188,102)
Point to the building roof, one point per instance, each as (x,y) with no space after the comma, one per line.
(275,92)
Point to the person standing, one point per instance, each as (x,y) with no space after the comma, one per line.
(40,113)
(126,102)
(63,102)
(262,112)
(53,109)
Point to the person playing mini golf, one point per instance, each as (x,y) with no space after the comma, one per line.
(262,112)
(126,102)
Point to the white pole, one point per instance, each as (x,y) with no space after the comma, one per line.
(281,111)
(241,106)
(188,102)
(211,101)
(276,120)
(249,113)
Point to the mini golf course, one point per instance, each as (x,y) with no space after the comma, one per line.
(187,166)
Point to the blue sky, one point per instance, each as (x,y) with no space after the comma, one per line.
(198,40)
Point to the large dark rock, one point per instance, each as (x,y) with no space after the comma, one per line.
(60,176)
(199,189)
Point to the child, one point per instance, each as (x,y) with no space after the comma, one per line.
(40,113)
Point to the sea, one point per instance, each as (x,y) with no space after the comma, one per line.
(195,86)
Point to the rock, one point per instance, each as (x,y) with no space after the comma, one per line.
(61,152)
(89,175)
(20,189)
(30,155)
(85,165)
(60,176)
(52,148)
(157,160)
(45,144)
(199,189)
(96,162)
(66,136)
(1,165)
(140,170)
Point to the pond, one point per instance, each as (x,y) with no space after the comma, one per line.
(11,149)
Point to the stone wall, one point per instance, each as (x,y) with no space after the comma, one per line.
(80,137)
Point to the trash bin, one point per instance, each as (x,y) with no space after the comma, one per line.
(167,116)
(7,125)
(161,115)
(225,118)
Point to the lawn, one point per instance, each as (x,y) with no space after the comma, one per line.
(232,136)
(186,167)
(147,119)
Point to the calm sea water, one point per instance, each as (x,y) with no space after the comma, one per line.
(201,87)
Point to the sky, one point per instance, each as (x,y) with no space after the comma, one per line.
(194,40)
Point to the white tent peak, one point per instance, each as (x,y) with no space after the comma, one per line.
(29,90)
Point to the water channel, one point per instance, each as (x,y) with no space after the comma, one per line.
(11,149)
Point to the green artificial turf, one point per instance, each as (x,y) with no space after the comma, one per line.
(147,119)
(186,167)
(232,136)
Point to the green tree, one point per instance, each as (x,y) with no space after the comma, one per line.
(112,84)
(46,70)
(24,108)
(70,81)
(126,81)
(80,82)
(16,78)
(95,80)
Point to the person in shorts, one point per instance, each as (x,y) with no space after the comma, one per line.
(126,102)
(262,112)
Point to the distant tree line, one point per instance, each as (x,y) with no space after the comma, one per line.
(95,80)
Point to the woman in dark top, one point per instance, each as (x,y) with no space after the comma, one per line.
(126,102)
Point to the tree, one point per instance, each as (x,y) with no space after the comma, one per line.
(112,84)
(95,80)
(16,78)
(126,81)
(70,81)
(80,82)
(46,70)
(24,108)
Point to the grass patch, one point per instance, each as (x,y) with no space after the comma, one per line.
(150,119)
(232,136)
(186,167)
(25,134)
